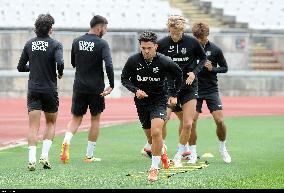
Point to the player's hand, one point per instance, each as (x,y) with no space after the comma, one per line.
(59,76)
(190,78)
(107,91)
(140,94)
(208,65)
(172,101)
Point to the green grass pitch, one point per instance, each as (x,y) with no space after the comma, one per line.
(255,145)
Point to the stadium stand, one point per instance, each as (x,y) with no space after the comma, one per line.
(248,15)
(259,14)
(122,14)
(253,48)
(263,58)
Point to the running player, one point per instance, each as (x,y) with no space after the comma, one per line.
(87,56)
(144,74)
(208,90)
(185,50)
(44,55)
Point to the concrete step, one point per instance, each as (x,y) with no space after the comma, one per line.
(264,59)
(267,66)
(262,52)
(194,14)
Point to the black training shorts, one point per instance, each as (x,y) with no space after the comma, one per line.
(213,102)
(47,102)
(81,102)
(149,112)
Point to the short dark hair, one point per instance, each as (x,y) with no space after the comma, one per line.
(97,19)
(43,24)
(148,36)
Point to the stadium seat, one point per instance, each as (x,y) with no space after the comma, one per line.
(135,14)
(259,14)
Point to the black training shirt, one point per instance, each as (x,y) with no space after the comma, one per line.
(42,53)
(150,77)
(87,56)
(207,80)
(185,53)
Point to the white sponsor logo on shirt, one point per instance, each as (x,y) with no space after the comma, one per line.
(39,45)
(146,78)
(181,59)
(86,46)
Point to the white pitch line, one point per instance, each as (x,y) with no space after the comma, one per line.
(23,141)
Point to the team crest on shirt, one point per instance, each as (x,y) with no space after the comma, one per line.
(208,53)
(156,70)
(183,50)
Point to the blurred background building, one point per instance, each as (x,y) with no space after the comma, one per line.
(250,33)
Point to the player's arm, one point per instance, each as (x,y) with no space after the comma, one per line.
(200,53)
(109,68)
(174,77)
(126,76)
(59,60)
(73,55)
(221,61)
(22,65)
(108,64)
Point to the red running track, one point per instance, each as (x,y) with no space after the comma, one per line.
(14,117)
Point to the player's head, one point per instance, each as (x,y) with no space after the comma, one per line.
(176,27)
(148,44)
(43,25)
(99,23)
(201,32)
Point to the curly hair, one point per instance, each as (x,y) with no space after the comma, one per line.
(177,22)
(148,36)
(43,24)
(199,30)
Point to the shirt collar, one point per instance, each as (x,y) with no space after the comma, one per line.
(181,39)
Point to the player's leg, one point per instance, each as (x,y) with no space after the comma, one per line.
(147,149)
(97,106)
(179,114)
(188,114)
(34,124)
(72,128)
(165,130)
(47,139)
(215,106)
(221,131)
(192,141)
(157,144)
(78,109)
(50,103)
(193,134)
(144,118)
(157,116)
(34,110)
(92,138)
